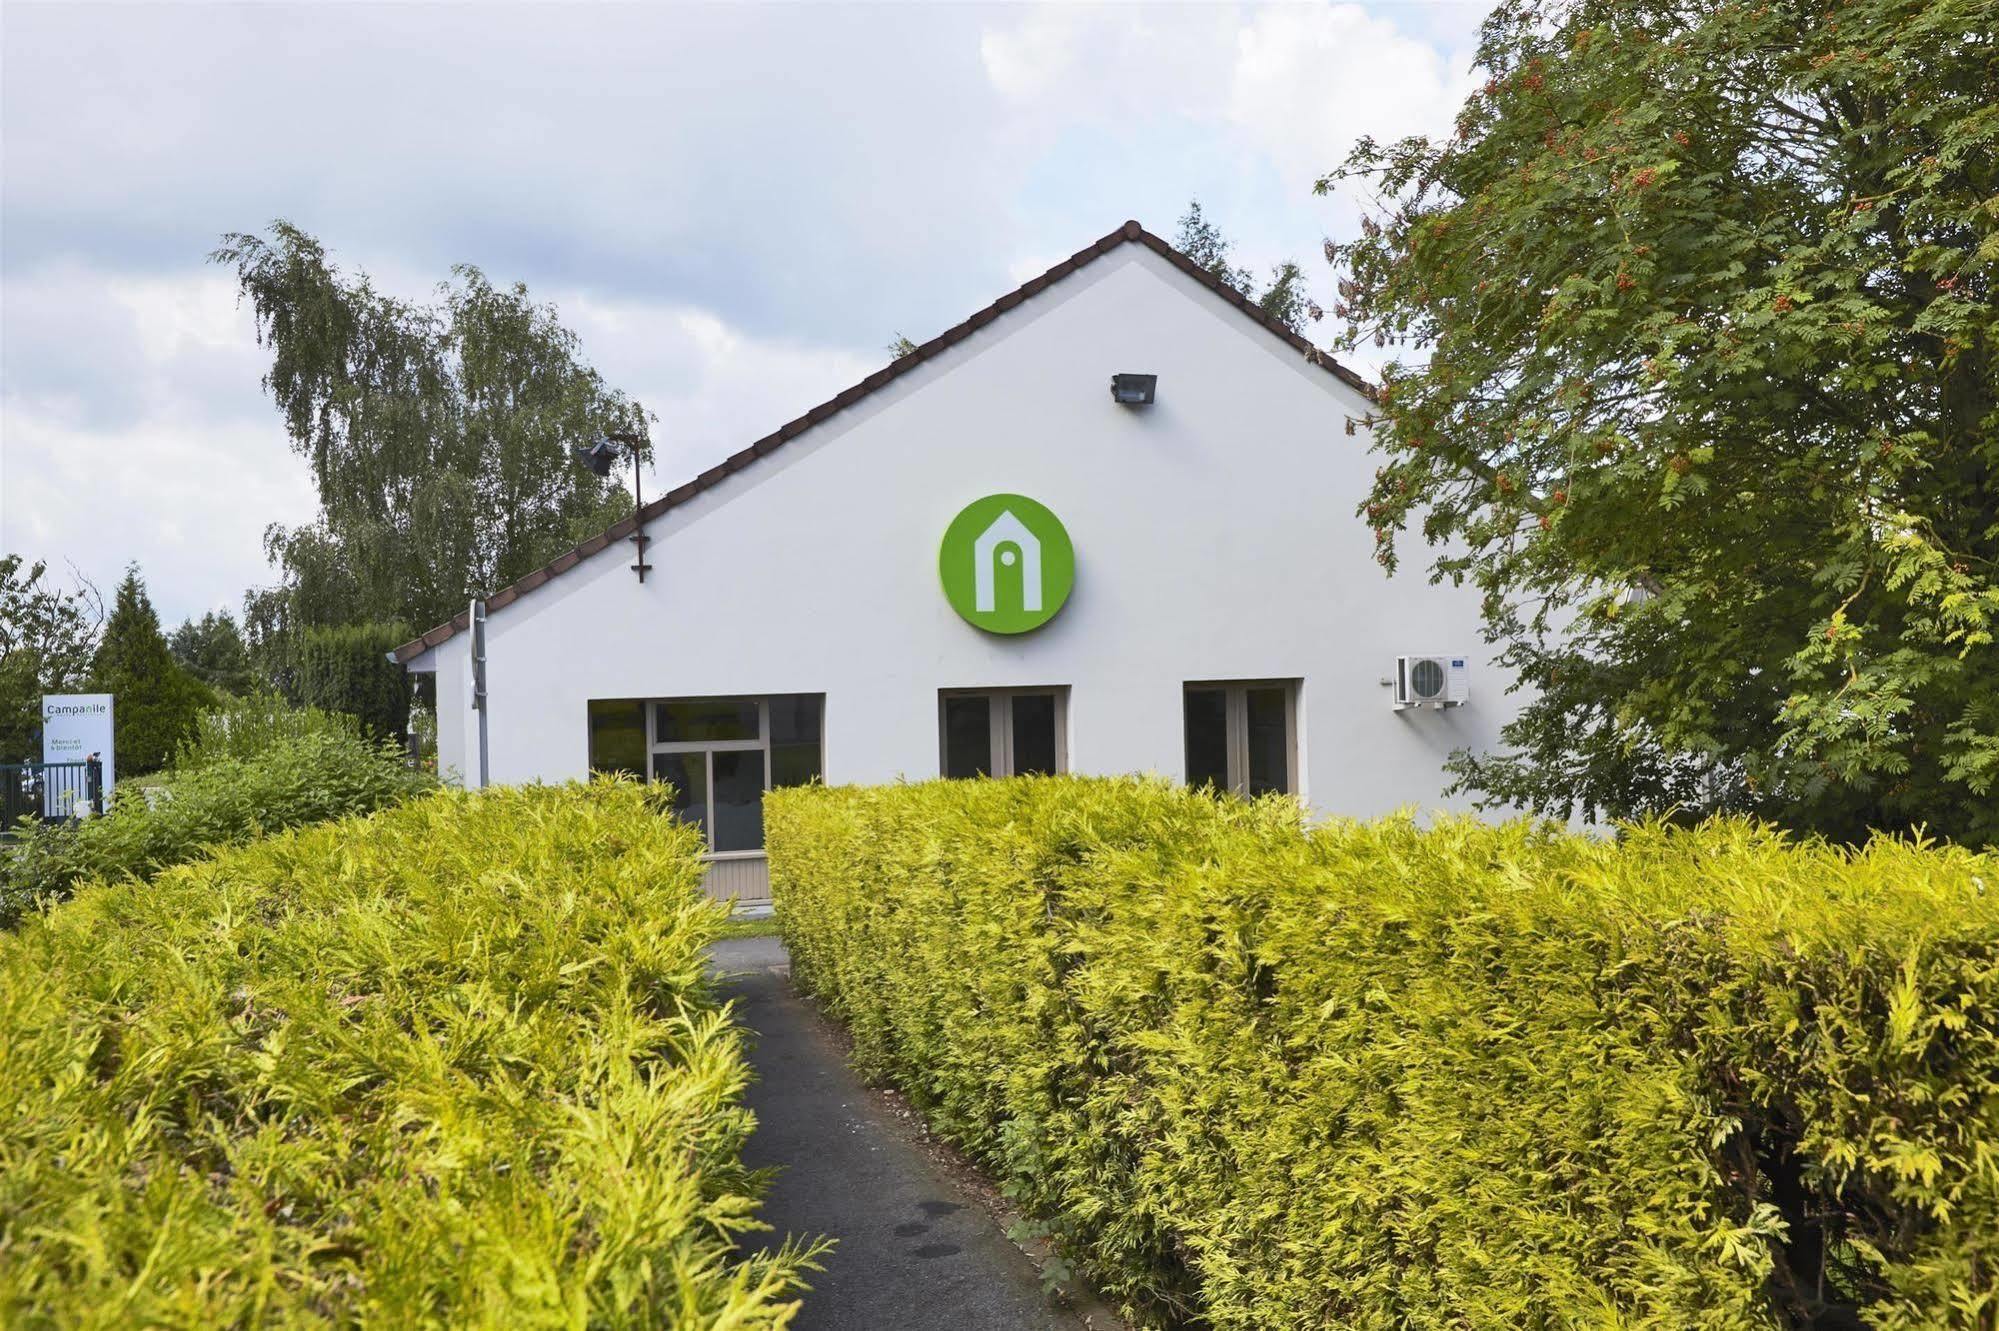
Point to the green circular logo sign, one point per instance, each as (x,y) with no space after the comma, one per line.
(1006,563)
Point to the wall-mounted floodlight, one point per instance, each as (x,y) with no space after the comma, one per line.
(1134,390)
(598,457)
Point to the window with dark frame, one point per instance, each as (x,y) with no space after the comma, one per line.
(1242,736)
(618,736)
(719,754)
(1003,732)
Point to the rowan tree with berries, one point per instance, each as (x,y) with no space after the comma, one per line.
(1694,376)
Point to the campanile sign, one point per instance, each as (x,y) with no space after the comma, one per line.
(74,726)
(1006,563)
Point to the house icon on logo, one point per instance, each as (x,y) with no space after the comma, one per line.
(1007,534)
(1006,529)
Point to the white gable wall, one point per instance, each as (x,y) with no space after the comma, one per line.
(1215,539)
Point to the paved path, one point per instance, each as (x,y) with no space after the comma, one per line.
(916,1253)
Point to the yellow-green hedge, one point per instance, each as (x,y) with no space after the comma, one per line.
(456,1064)
(1375,1076)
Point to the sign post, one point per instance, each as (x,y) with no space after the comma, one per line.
(75,728)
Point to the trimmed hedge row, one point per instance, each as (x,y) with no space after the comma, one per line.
(306,778)
(1252,1075)
(457,1064)
(345,669)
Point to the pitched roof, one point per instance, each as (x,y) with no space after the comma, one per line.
(1129,233)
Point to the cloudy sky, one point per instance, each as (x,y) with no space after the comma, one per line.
(735,206)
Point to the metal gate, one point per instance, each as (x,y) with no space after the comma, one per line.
(50,791)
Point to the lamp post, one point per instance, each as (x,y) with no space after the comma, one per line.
(598,456)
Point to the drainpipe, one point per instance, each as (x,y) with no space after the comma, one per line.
(476,619)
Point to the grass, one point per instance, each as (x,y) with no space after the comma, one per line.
(742,928)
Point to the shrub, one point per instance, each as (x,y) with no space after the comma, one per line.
(345,669)
(308,779)
(1252,1075)
(456,1064)
(251,726)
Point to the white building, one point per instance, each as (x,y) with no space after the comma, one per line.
(1179,586)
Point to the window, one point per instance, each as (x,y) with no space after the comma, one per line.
(1003,732)
(720,754)
(618,736)
(1243,737)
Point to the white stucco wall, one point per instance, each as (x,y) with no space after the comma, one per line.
(1215,539)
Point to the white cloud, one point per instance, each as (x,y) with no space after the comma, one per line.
(187,500)
(185,478)
(715,388)
(1241,107)
(735,206)
(1034,55)
(784,165)
(180,464)
(1298,83)
(1056,62)
(1309,80)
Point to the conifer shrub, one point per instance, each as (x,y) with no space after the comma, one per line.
(458,1063)
(345,668)
(306,778)
(1251,1074)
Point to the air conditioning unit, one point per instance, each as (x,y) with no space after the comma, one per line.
(1431,681)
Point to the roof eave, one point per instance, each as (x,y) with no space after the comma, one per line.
(1130,232)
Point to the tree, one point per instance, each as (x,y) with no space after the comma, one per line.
(1203,242)
(438,436)
(901,347)
(155,702)
(1285,300)
(345,669)
(46,640)
(1702,396)
(213,651)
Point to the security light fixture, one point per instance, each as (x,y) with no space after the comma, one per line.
(598,456)
(1134,390)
